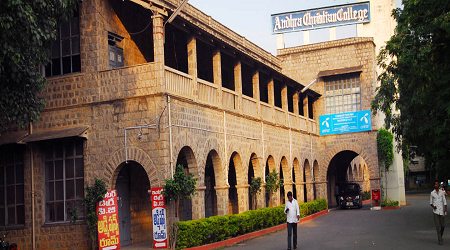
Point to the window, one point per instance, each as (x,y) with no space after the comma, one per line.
(65,51)
(342,93)
(64,179)
(12,205)
(115,52)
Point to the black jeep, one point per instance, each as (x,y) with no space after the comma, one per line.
(350,195)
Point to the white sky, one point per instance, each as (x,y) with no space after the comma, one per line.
(251,19)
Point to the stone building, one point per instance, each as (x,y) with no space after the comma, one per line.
(130,96)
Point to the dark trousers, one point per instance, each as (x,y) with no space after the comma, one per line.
(292,227)
(440,225)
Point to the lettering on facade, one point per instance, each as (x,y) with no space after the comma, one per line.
(321,18)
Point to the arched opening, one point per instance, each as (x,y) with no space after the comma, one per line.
(307,179)
(316,175)
(270,164)
(134,204)
(341,169)
(250,176)
(283,166)
(282,200)
(187,160)
(232,181)
(296,173)
(210,182)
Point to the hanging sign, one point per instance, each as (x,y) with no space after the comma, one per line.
(345,122)
(159,218)
(108,223)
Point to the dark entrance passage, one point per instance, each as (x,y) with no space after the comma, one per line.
(134,204)
(210,183)
(337,172)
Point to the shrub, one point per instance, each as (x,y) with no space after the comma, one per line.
(217,228)
(389,204)
(366,195)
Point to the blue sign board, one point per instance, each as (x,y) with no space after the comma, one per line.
(321,18)
(345,122)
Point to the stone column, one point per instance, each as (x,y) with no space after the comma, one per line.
(243,203)
(310,191)
(192,64)
(295,103)
(261,197)
(284,98)
(198,203)
(217,74)
(305,106)
(271,96)
(158,43)
(238,83)
(300,192)
(222,200)
(255,81)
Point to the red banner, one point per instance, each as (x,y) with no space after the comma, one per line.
(159,219)
(108,222)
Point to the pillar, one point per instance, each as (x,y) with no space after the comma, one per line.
(300,192)
(217,74)
(198,203)
(261,197)
(255,81)
(158,42)
(222,200)
(305,106)
(284,98)
(295,103)
(192,63)
(242,191)
(238,83)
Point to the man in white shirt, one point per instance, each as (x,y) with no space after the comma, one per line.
(292,211)
(438,203)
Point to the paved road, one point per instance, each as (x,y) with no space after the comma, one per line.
(411,227)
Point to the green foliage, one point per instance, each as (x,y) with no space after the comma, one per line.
(273,183)
(28,27)
(387,203)
(217,228)
(366,195)
(181,186)
(415,79)
(385,148)
(94,194)
(255,188)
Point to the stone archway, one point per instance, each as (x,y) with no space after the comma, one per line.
(186,158)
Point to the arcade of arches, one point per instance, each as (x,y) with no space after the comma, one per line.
(223,191)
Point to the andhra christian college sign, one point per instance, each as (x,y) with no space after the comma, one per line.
(321,18)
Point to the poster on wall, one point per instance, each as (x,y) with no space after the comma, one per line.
(108,223)
(159,218)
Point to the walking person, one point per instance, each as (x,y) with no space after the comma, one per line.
(438,203)
(336,194)
(292,211)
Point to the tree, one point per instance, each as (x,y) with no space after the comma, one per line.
(273,183)
(255,188)
(181,186)
(385,148)
(28,27)
(415,79)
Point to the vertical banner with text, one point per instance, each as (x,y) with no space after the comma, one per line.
(108,222)
(159,218)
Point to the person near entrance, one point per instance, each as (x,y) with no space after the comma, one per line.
(292,212)
(336,194)
(438,203)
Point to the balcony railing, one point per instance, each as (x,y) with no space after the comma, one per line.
(249,106)
(179,83)
(207,92)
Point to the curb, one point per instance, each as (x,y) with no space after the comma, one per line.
(240,238)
